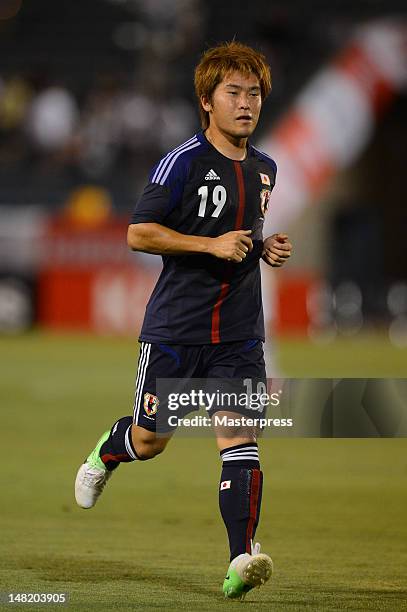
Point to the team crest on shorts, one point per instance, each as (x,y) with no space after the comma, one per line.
(264,200)
(150,403)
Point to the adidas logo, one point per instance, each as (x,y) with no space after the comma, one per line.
(212,176)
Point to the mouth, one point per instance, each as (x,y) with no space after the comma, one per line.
(244,118)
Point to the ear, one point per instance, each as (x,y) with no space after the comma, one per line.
(206,104)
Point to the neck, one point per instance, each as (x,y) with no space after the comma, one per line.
(230,146)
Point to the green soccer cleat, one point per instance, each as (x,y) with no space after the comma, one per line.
(92,477)
(246,572)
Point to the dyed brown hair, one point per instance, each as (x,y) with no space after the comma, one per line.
(218,61)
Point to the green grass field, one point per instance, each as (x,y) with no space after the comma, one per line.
(334,511)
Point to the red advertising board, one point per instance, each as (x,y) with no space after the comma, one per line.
(89,280)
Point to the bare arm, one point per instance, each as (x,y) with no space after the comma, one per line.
(160,240)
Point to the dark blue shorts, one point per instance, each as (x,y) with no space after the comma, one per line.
(232,362)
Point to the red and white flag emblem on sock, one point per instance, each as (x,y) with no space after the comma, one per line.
(225,484)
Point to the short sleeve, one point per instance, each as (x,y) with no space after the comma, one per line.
(153,205)
(162,194)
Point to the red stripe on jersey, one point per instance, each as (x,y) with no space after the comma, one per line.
(215,337)
(215,334)
(254,500)
(242,195)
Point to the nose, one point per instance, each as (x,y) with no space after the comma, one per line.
(244,101)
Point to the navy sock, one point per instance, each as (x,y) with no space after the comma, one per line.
(240,492)
(118,448)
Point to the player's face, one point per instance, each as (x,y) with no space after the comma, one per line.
(235,105)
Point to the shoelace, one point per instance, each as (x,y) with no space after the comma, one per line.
(93,478)
(255,548)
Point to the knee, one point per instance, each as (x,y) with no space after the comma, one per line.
(231,435)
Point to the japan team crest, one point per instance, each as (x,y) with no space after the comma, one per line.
(264,200)
(150,404)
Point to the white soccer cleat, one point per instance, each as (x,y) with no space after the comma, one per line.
(246,572)
(92,477)
(89,484)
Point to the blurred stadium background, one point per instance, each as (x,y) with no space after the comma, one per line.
(92,93)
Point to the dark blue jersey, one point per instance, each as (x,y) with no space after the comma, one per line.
(195,190)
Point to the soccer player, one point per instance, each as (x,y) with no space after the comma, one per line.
(203,210)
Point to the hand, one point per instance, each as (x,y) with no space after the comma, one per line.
(276,250)
(232,246)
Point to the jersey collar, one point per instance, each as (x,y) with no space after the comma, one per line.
(202,138)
